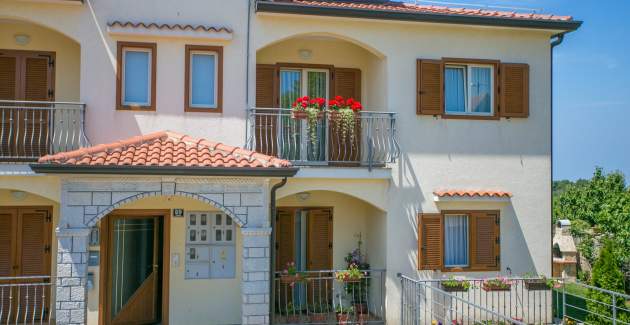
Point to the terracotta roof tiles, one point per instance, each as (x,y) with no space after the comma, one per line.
(165,149)
(473,193)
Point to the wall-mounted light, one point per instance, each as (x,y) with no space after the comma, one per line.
(303,196)
(18,195)
(22,39)
(305,54)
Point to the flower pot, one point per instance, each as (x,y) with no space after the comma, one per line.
(292,319)
(363,318)
(536,285)
(319,317)
(302,115)
(456,288)
(360,308)
(343,318)
(494,287)
(289,279)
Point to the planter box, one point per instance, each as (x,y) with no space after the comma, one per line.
(294,319)
(489,287)
(457,288)
(536,285)
(302,115)
(319,317)
(288,279)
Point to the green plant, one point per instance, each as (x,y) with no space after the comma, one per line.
(291,275)
(454,282)
(313,108)
(291,309)
(606,275)
(351,274)
(344,115)
(498,283)
(340,309)
(549,282)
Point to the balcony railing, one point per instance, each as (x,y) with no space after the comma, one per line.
(372,142)
(319,298)
(31,129)
(26,300)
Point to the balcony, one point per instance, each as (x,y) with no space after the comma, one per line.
(26,300)
(31,129)
(319,298)
(371,143)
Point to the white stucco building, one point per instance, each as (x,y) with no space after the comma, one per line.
(111,196)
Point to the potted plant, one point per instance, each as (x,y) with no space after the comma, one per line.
(454,284)
(310,109)
(497,284)
(293,315)
(343,314)
(535,282)
(319,313)
(344,113)
(358,290)
(290,275)
(352,274)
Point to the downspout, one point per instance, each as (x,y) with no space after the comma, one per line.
(555,41)
(272,248)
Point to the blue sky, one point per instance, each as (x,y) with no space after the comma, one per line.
(592,85)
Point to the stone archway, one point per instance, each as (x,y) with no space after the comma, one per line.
(85,201)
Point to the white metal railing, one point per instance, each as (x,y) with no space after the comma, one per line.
(372,142)
(319,298)
(606,306)
(26,300)
(31,129)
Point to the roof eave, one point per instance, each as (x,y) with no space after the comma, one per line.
(292,8)
(164,170)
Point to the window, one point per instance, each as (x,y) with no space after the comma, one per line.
(204,78)
(469,89)
(459,241)
(135,87)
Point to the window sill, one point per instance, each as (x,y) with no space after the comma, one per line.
(135,108)
(203,110)
(470,117)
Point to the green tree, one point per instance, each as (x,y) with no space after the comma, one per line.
(606,275)
(597,207)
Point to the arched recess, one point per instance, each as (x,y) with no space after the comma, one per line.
(65,27)
(372,194)
(45,187)
(374,51)
(115,205)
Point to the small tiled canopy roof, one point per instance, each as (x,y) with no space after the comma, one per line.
(165,149)
(473,193)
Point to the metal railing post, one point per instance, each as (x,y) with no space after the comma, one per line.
(564,301)
(614,308)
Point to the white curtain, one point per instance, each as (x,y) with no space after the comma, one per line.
(481,85)
(456,240)
(455,90)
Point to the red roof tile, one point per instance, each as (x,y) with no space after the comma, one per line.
(165,149)
(472,193)
(427,9)
(169,26)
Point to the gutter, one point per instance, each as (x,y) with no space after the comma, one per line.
(164,170)
(272,249)
(301,9)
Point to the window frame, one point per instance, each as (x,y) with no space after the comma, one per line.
(494,78)
(200,49)
(468,235)
(122,48)
(467,68)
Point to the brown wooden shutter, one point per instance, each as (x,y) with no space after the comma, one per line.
(514,90)
(485,241)
(266,130)
(285,238)
(34,237)
(430,87)
(8,91)
(347,83)
(430,242)
(319,240)
(8,220)
(37,87)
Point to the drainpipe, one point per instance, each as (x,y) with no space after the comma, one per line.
(555,41)
(272,248)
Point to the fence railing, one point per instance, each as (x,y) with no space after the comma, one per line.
(26,300)
(370,141)
(316,297)
(576,303)
(31,129)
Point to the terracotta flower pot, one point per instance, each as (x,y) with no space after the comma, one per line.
(302,115)
(536,285)
(343,318)
(456,288)
(494,287)
(319,317)
(288,279)
(292,319)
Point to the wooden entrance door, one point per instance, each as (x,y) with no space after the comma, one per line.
(25,234)
(134,269)
(25,76)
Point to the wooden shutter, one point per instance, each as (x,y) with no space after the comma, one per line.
(266,129)
(37,87)
(8,220)
(319,240)
(514,90)
(430,87)
(430,242)
(285,237)
(34,238)
(8,91)
(347,83)
(485,241)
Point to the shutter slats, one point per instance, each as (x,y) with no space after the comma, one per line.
(34,238)
(514,90)
(319,255)
(284,238)
(7,241)
(485,247)
(430,87)
(346,83)
(430,242)
(8,68)
(266,130)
